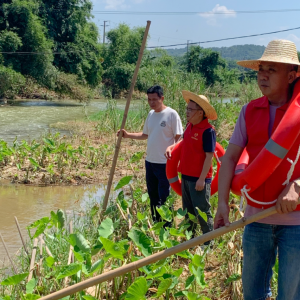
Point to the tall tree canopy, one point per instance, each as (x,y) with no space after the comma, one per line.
(42,27)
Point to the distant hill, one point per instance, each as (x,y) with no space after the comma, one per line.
(238,52)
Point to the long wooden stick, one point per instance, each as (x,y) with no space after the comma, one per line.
(21,236)
(159,256)
(32,259)
(12,263)
(112,170)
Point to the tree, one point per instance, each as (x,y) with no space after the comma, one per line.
(23,31)
(73,35)
(120,56)
(204,61)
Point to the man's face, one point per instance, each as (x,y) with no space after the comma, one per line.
(194,112)
(274,78)
(155,102)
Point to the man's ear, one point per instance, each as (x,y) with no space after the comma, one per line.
(162,98)
(292,76)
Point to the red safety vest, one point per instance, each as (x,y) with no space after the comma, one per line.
(192,154)
(257,123)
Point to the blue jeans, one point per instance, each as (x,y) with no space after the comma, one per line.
(261,244)
(158,187)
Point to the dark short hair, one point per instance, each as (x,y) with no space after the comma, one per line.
(294,68)
(156,89)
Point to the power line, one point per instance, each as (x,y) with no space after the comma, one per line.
(229,12)
(153,47)
(227,39)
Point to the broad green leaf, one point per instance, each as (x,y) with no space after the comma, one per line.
(37,223)
(180,214)
(106,228)
(97,266)
(115,249)
(88,297)
(159,272)
(31,297)
(124,181)
(170,201)
(61,218)
(14,280)
(136,157)
(178,272)
(137,290)
(163,286)
(141,240)
(199,275)
(33,162)
(193,218)
(165,213)
(198,261)
(145,197)
(192,296)
(77,239)
(233,277)
(158,225)
(79,255)
(202,214)
(189,281)
(184,254)
(41,228)
(96,248)
(69,270)
(176,232)
(50,261)
(140,216)
(30,286)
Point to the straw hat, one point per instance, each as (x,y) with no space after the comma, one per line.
(280,51)
(201,100)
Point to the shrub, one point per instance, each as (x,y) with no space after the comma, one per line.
(11,82)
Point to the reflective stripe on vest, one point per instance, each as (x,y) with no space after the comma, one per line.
(174,179)
(276,149)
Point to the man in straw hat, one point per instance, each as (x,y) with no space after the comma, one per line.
(279,233)
(197,152)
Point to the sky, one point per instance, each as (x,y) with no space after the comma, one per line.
(200,27)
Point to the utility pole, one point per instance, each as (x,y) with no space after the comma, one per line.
(104,25)
(187,46)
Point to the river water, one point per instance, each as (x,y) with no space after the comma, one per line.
(29,120)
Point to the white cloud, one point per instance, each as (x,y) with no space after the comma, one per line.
(115,4)
(218,11)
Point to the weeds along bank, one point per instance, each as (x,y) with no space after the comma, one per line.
(102,241)
(124,233)
(86,155)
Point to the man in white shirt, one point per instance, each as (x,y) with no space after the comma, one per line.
(162,128)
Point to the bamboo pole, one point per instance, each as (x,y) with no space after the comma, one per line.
(159,256)
(112,170)
(32,259)
(71,254)
(41,254)
(12,263)
(21,236)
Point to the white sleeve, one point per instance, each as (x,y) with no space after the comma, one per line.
(145,129)
(176,124)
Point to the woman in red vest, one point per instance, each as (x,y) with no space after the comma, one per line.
(278,234)
(198,146)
